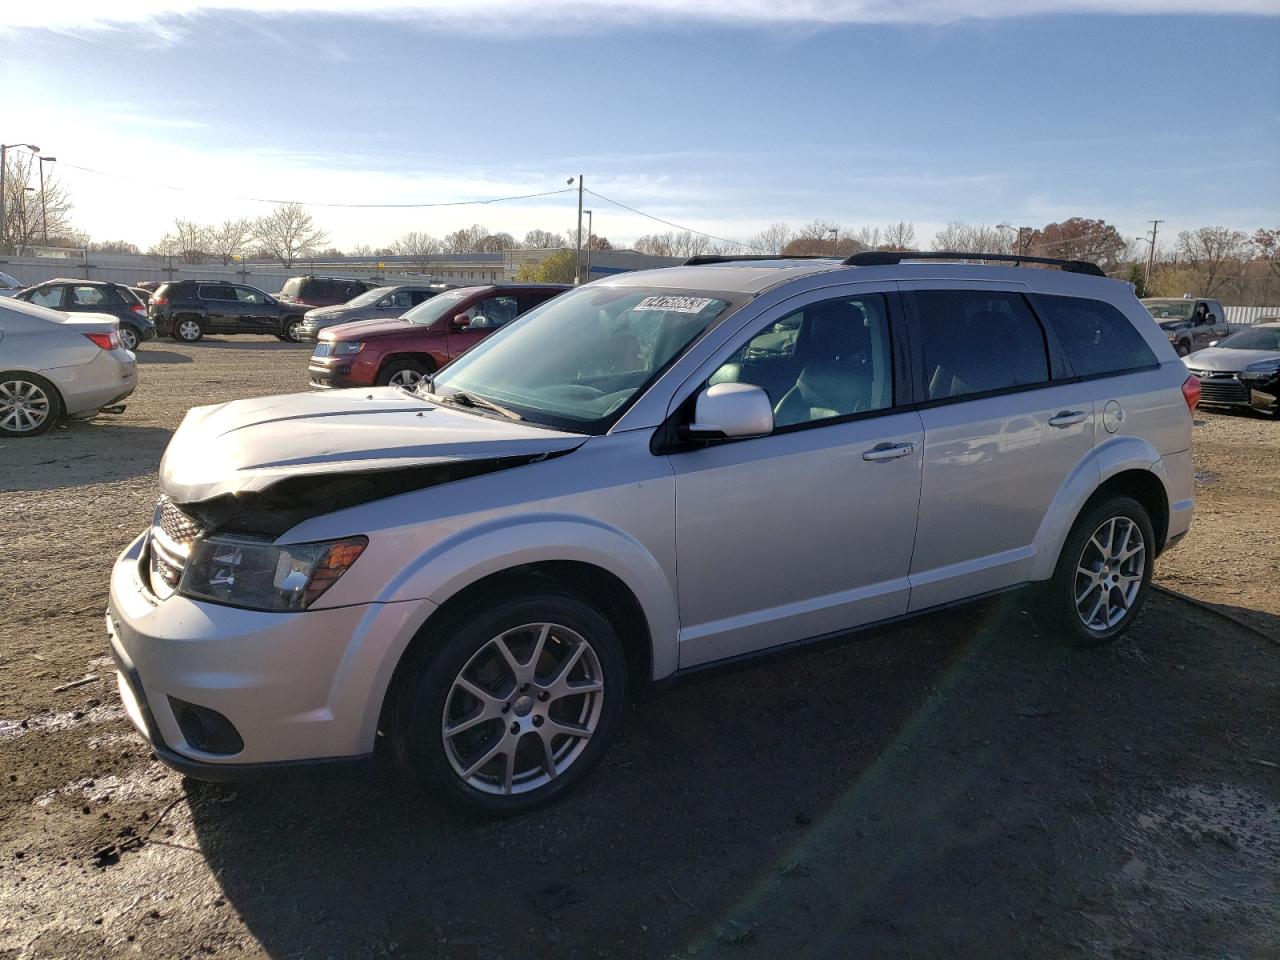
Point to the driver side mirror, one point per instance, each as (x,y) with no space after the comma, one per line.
(731,411)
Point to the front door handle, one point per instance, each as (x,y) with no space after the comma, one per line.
(1068,418)
(888,451)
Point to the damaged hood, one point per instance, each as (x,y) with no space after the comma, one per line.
(249,446)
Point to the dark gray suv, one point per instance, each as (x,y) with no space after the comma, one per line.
(380,303)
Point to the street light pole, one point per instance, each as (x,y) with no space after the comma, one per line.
(577,260)
(835,241)
(4,164)
(588,213)
(44,210)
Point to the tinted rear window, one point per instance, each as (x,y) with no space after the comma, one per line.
(977,341)
(1098,338)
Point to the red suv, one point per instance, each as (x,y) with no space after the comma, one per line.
(404,350)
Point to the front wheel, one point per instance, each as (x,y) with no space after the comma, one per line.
(402,373)
(1103,573)
(515,705)
(1183,348)
(292,330)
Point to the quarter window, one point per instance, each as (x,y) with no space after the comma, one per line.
(978,341)
(831,359)
(1098,339)
(48,297)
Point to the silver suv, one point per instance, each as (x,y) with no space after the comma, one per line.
(645,476)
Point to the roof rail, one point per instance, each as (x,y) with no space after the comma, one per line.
(704,258)
(885,258)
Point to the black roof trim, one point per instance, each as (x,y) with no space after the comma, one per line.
(703,259)
(888,258)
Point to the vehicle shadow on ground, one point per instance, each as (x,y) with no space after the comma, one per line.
(895,792)
(81,451)
(148,355)
(214,343)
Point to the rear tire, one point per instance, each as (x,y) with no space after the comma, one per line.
(29,405)
(1103,574)
(1183,348)
(513,705)
(402,373)
(130,337)
(188,329)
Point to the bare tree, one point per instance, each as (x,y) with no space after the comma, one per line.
(960,237)
(466,240)
(771,239)
(288,233)
(113,246)
(900,236)
(164,248)
(24,215)
(543,240)
(192,239)
(362,250)
(419,245)
(822,238)
(496,243)
(230,240)
(1210,251)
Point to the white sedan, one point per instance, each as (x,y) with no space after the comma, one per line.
(52,366)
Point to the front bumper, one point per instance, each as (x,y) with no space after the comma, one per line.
(1241,390)
(299,688)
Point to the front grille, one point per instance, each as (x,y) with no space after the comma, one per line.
(172,533)
(323,349)
(177,526)
(1220,387)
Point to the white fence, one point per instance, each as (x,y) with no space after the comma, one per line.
(1244,316)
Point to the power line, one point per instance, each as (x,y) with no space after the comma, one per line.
(700,233)
(311,203)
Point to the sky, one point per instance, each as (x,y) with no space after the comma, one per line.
(719,115)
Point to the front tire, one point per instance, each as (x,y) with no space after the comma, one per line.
(402,373)
(514,706)
(289,333)
(29,405)
(1103,574)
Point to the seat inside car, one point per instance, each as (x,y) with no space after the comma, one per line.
(832,351)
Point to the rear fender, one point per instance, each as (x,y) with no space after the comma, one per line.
(1107,459)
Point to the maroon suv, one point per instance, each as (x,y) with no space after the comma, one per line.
(422,340)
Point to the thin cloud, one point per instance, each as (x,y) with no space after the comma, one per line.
(603,15)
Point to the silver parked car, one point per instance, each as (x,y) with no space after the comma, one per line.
(380,303)
(632,482)
(1243,370)
(53,366)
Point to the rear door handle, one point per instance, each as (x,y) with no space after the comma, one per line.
(888,451)
(1068,418)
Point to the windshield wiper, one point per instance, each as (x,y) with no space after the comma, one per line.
(469,400)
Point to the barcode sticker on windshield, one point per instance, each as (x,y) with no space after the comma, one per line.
(674,304)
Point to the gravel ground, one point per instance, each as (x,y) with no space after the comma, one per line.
(934,790)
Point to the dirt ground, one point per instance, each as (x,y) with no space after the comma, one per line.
(958,787)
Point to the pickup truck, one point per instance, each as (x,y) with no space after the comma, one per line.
(1191,324)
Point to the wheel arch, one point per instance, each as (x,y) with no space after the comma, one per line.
(422,357)
(1124,465)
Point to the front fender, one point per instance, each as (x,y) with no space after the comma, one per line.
(456,562)
(1109,458)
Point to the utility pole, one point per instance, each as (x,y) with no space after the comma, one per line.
(44,210)
(577,260)
(1151,254)
(589,234)
(835,241)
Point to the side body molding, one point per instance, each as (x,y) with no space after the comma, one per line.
(1108,458)
(456,562)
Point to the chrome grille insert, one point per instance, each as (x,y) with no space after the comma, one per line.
(172,533)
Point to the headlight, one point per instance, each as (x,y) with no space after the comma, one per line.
(1264,366)
(344,348)
(262,576)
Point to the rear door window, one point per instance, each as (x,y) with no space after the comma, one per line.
(217,291)
(978,341)
(1097,338)
(249,295)
(493,312)
(89,296)
(400,300)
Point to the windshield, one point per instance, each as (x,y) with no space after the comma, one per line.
(1170,309)
(369,297)
(1255,338)
(429,311)
(578,360)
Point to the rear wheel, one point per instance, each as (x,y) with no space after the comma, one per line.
(1183,348)
(129,337)
(1103,573)
(402,373)
(188,329)
(29,405)
(514,706)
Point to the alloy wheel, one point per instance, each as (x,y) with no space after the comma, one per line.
(1109,573)
(24,406)
(523,709)
(189,330)
(405,378)
(293,331)
(128,339)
